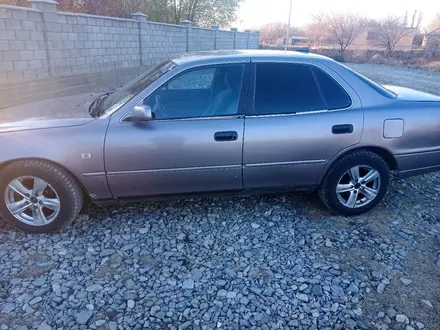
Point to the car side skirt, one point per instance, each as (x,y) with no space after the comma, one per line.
(243,192)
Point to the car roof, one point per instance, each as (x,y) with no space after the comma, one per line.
(235,54)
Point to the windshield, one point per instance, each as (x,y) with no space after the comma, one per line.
(110,102)
(378,88)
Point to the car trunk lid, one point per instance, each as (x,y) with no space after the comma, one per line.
(409,94)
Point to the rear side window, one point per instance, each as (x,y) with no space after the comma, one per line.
(335,96)
(285,88)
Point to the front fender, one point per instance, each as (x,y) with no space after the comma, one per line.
(78,149)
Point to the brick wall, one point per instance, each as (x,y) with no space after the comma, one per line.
(159,41)
(225,40)
(241,40)
(42,43)
(201,39)
(22,45)
(84,43)
(254,38)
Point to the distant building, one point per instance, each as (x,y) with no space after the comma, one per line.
(431,40)
(302,41)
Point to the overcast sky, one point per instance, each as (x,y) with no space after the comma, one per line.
(254,13)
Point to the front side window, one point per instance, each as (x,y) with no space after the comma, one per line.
(285,88)
(202,92)
(196,79)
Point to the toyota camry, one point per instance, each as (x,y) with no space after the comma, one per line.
(223,122)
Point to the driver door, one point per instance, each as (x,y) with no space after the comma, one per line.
(182,150)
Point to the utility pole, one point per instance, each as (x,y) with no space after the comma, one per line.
(288,26)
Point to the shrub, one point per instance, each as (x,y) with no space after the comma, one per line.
(338,58)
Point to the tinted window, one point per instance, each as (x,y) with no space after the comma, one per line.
(205,92)
(285,88)
(335,96)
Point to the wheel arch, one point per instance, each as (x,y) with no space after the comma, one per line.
(78,181)
(384,153)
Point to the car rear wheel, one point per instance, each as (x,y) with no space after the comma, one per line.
(355,184)
(38,197)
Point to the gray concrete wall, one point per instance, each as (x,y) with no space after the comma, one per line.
(22,45)
(84,43)
(201,39)
(159,41)
(241,40)
(225,40)
(45,53)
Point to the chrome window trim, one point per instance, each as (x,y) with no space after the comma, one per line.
(188,119)
(298,113)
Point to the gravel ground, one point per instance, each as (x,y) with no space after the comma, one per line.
(428,81)
(260,262)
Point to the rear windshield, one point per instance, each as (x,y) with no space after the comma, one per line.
(378,88)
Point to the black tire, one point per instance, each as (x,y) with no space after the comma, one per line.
(327,190)
(69,192)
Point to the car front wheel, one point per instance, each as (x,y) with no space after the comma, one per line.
(38,197)
(355,183)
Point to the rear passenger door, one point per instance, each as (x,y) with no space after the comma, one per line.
(298,118)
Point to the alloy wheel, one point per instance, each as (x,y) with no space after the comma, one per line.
(32,200)
(358,186)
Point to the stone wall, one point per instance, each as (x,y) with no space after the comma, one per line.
(201,39)
(225,40)
(22,45)
(241,40)
(45,53)
(159,41)
(84,43)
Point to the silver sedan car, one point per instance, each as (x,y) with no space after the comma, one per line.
(222,122)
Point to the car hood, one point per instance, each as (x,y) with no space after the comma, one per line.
(408,94)
(43,124)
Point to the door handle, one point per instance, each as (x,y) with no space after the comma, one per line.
(226,136)
(342,129)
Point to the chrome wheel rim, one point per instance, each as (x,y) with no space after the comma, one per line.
(358,186)
(32,201)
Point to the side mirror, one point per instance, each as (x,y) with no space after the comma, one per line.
(140,114)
